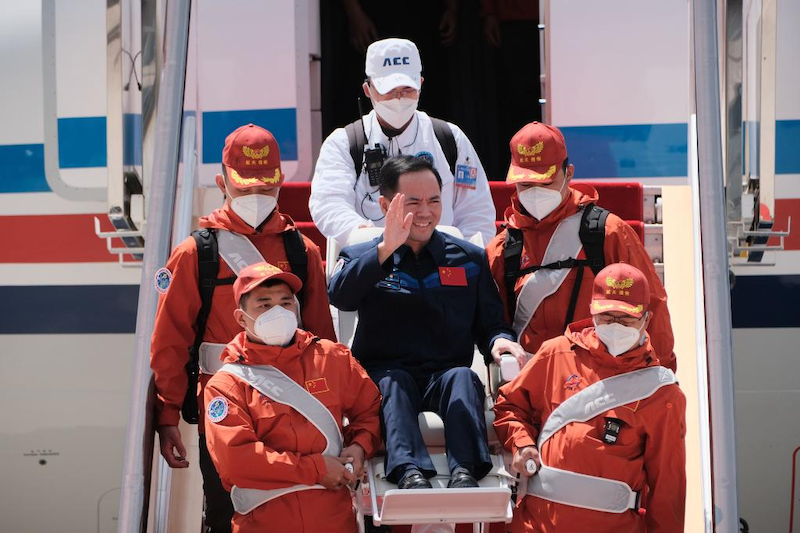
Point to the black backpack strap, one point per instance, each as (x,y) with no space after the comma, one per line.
(208,269)
(512,254)
(447,141)
(357,141)
(298,258)
(573,299)
(593,236)
(592,233)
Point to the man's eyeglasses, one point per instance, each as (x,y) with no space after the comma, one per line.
(629,321)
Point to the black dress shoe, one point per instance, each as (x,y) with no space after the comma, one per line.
(413,479)
(461,478)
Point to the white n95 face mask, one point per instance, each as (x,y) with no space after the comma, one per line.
(396,112)
(539,201)
(275,327)
(254,208)
(618,338)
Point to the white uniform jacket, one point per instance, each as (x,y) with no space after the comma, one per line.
(341,201)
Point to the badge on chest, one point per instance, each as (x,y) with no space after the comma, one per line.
(466,176)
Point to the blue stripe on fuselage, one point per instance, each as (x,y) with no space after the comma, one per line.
(766,301)
(78,309)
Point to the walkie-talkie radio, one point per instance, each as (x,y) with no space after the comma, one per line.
(373,157)
(373,162)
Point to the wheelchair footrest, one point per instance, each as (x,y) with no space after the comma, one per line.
(427,506)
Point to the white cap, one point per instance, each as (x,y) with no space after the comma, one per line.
(393,63)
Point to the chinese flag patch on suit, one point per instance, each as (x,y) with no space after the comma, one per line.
(316,386)
(453,276)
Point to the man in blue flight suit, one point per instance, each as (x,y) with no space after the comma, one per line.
(424,299)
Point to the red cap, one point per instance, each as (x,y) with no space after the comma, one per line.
(537,151)
(620,287)
(253,158)
(254,275)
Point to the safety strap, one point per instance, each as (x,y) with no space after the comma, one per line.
(356,141)
(208,269)
(581,490)
(447,141)
(592,237)
(564,245)
(297,256)
(209,359)
(280,388)
(237,250)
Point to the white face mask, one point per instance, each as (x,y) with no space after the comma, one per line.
(618,338)
(539,201)
(396,112)
(275,327)
(254,208)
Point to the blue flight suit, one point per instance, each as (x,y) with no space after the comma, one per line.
(419,318)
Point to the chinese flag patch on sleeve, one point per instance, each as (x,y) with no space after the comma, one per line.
(317,386)
(453,276)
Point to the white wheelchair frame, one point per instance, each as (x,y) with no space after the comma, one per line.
(488,503)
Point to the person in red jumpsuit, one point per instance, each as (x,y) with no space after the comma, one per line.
(250,181)
(258,443)
(641,443)
(545,197)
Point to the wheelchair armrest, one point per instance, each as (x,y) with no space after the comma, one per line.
(500,374)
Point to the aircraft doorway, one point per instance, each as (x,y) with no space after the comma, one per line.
(480,64)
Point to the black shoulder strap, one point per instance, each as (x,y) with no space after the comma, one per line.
(593,236)
(512,254)
(208,269)
(592,233)
(357,140)
(447,141)
(298,258)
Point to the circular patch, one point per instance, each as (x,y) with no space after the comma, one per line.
(162,280)
(425,155)
(217,409)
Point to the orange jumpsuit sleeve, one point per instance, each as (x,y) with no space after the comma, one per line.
(362,405)
(174,332)
(517,408)
(665,466)
(316,311)
(494,252)
(241,458)
(623,245)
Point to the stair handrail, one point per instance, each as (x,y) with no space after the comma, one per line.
(134,496)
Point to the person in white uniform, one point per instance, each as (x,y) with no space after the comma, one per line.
(343,197)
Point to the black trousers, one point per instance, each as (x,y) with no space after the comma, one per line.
(219,508)
(457,396)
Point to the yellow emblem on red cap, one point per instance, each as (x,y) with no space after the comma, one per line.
(255,154)
(269,180)
(532,150)
(267,269)
(626,283)
(531,175)
(618,306)
(618,286)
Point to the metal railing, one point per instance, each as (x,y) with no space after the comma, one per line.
(134,496)
(714,248)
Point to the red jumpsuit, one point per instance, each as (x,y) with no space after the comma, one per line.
(174,330)
(649,455)
(263,444)
(621,245)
